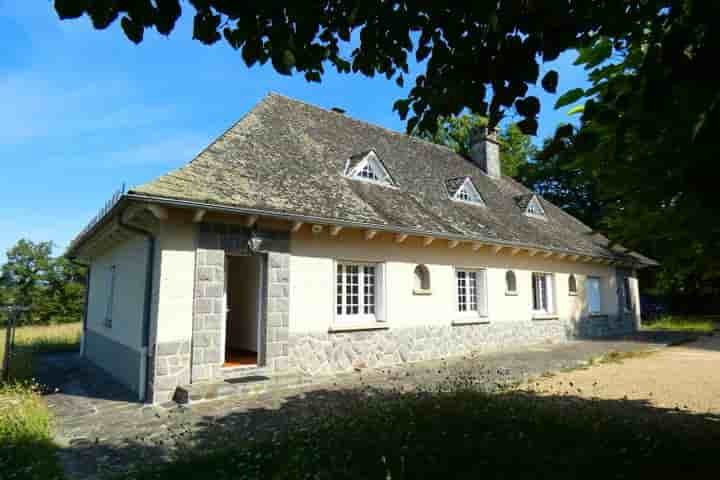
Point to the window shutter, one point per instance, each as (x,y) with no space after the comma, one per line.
(593,295)
(549,283)
(380,293)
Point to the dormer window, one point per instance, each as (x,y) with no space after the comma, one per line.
(462,189)
(535,209)
(368,167)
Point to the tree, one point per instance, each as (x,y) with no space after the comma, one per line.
(52,287)
(468,50)
(647,139)
(456,132)
(560,179)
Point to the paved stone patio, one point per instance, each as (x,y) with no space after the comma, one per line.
(101,429)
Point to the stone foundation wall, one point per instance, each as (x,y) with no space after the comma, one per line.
(172,368)
(322,353)
(604,326)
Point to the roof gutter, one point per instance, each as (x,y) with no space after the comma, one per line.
(145,366)
(314,219)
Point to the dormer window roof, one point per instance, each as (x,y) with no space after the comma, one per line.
(533,206)
(462,189)
(369,168)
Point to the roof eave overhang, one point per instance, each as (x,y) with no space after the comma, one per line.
(78,242)
(294,217)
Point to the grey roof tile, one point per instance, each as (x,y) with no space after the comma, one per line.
(289,157)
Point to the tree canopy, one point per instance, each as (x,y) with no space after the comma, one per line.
(469,49)
(52,287)
(455,133)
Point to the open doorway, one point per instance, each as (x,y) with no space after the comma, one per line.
(244,310)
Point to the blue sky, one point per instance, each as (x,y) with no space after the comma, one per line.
(83,111)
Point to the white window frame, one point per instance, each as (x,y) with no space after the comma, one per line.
(550,308)
(588,295)
(481,293)
(373,163)
(108,321)
(534,204)
(360,318)
(468,189)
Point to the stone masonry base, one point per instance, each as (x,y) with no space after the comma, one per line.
(323,353)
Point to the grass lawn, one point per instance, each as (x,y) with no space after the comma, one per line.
(26,447)
(700,324)
(463,434)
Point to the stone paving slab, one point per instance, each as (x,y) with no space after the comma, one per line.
(101,429)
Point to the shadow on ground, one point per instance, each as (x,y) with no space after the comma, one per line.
(614,437)
(102,430)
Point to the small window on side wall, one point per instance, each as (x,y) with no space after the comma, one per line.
(422,280)
(510,283)
(572,285)
(108,320)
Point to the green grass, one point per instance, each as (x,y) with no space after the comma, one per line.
(704,324)
(464,434)
(27,451)
(39,339)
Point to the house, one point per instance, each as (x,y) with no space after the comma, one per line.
(304,240)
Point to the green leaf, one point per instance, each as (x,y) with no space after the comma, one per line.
(528,126)
(595,54)
(550,81)
(528,107)
(284,62)
(133,29)
(571,96)
(251,51)
(576,109)
(70,8)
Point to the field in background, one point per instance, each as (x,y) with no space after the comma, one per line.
(700,324)
(39,339)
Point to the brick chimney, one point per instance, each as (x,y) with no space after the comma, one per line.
(485,151)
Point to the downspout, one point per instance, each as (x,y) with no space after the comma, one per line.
(147,306)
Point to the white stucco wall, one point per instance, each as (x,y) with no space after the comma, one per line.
(129,258)
(174,280)
(312,295)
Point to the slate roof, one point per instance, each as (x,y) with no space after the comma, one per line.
(288,157)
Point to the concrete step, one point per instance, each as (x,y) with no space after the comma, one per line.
(247,385)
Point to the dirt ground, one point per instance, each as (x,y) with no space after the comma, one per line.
(685,377)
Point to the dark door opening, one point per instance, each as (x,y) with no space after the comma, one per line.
(242,331)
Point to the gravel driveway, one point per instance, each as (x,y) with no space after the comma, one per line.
(684,377)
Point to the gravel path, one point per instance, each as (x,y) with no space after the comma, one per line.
(684,377)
